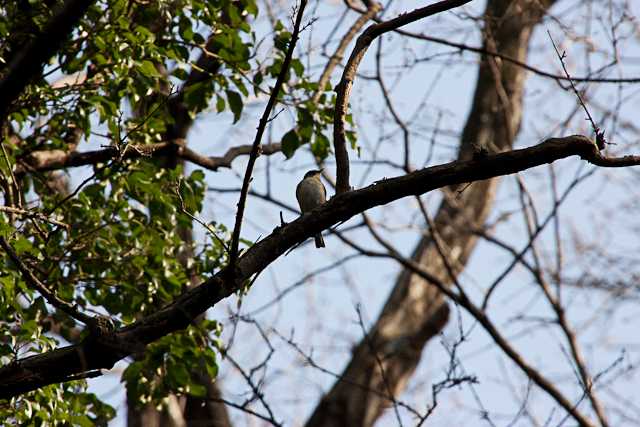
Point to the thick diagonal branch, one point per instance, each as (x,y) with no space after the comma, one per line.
(104,351)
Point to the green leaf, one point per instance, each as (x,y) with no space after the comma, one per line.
(22,246)
(297,66)
(180,73)
(321,146)
(220,104)
(352,138)
(148,69)
(281,41)
(290,143)
(235,103)
(197,390)
(257,80)
(252,8)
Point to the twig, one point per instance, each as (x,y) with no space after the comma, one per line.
(304,280)
(243,408)
(13,191)
(533,236)
(373,8)
(309,360)
(198,220)
(600,140)
(343,89)
(264,120)
(383,374)
(33,214)
(475,311)
(31,279)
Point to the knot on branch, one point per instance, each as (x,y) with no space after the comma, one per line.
(177,146)
(101,326)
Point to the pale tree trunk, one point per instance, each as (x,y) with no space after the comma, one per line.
(415,310)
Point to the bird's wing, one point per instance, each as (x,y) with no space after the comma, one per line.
(298,190)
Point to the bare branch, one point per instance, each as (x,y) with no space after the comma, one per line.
(506,58)
(372,8)
(255,149)
(47,160)
(600,141)
(348,76)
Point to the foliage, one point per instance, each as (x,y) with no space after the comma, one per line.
(53,404)
(125,70)
(165,365)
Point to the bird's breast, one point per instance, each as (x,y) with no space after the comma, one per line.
(310,194)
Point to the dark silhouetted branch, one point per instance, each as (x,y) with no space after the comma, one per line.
(27,61)
(102,352)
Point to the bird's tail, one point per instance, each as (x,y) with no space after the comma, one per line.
(319,241)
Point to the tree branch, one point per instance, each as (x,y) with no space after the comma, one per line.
(255,149)
(372,9)
(99,353)
(506,58)
(33,215)
(48,160)
(348,75)
(26,62)
(50,296)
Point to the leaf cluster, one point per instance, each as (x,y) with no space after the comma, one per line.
(131,73)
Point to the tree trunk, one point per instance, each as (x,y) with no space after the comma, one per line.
(416,311)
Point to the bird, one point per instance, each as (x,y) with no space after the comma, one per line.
(311,193)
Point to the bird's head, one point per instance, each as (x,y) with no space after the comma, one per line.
(313,173)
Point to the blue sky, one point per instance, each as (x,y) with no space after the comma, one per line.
(321,313)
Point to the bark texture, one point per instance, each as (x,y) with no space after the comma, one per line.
(416,311)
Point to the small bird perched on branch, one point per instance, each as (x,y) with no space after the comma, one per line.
(311,193)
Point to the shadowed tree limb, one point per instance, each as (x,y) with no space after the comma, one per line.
(28,60)
(48,160)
